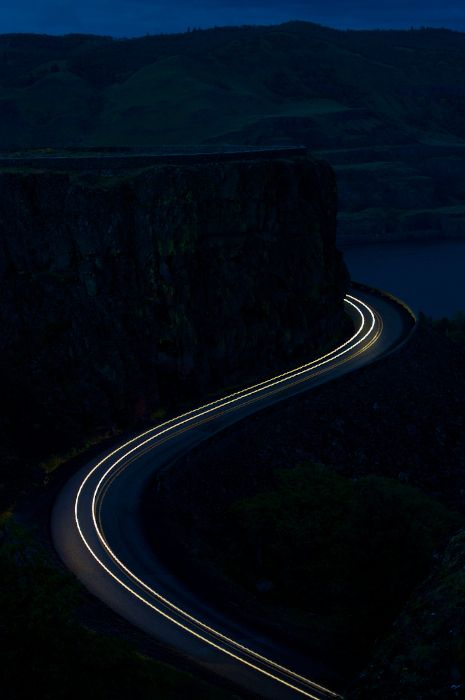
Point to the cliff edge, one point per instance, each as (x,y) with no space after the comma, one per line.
(130,291)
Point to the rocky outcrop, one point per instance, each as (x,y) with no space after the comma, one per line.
(124,293)
(423,658)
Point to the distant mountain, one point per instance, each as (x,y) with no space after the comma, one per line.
(386,108)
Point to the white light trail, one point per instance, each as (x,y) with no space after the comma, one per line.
(189,420)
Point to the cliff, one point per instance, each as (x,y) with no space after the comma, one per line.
(123,293)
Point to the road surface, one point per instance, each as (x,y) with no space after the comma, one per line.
(98,534)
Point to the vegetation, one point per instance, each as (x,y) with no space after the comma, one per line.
(386,108)
(333,553)
(453,328)
(45,651)
(378,535)
(55,461)
(190,87)
(346,552)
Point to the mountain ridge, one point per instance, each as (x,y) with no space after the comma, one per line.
(394,97)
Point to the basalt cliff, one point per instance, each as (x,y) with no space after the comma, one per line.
(123,292)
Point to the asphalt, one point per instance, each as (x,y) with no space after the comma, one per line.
(98,533)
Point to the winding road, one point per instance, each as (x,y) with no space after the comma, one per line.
(98,534)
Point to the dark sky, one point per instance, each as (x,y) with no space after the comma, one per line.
(136,17)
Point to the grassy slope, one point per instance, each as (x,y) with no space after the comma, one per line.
(198,85)
(390,95)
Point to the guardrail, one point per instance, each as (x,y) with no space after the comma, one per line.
(410,314)
(382,293)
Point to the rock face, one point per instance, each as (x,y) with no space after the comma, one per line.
(126,292)
(423,658)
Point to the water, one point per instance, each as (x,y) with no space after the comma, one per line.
(428,275)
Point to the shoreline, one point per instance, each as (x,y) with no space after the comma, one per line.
(349,241)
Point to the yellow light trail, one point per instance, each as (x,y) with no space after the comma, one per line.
(191,420)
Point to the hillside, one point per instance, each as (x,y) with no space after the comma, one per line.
(319,520)
(385,108)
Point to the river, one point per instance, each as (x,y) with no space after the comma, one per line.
(428,275)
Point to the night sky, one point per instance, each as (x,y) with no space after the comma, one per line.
(137,17)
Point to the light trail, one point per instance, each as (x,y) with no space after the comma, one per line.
(120,458)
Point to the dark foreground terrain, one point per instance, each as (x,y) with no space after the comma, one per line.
(323,518)
(47,651)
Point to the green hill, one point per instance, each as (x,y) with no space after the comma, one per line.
(386,108)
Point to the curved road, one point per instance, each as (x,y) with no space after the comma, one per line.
(98,534)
